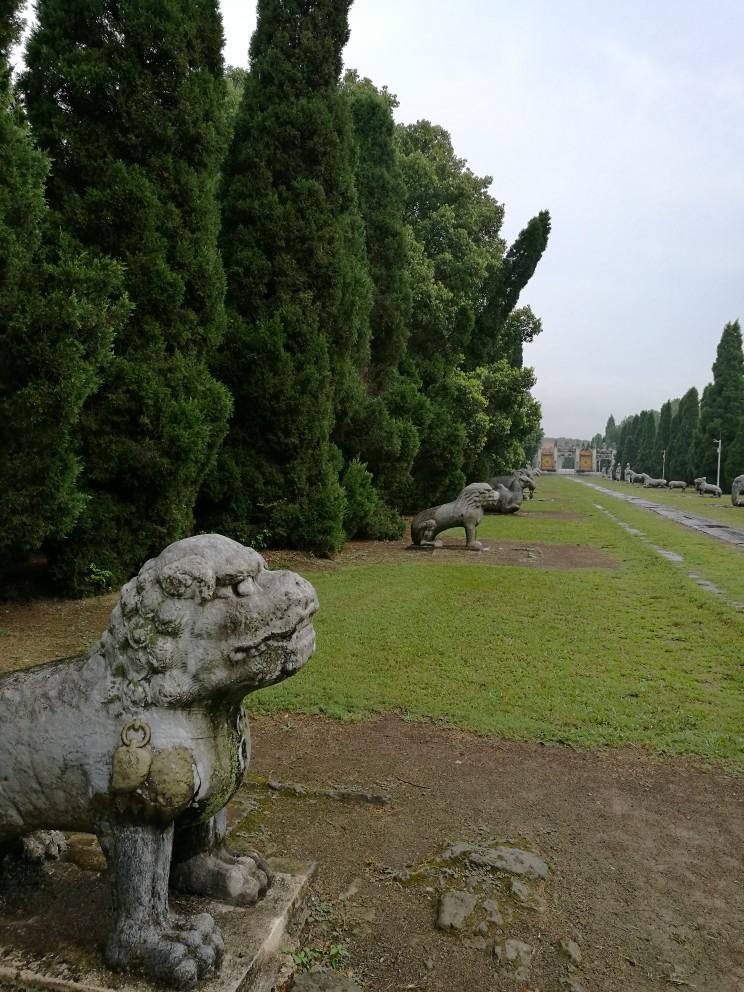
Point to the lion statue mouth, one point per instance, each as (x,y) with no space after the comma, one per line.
(296,645)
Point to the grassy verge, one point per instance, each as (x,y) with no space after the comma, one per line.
(638,655)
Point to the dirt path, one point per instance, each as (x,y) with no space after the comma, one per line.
(721,532)
(645,857)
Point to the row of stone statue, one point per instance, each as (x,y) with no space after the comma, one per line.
(701,484)
(501,494)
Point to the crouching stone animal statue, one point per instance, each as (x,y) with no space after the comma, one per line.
(466,511)
(678,484)
(649,483)
(144,740)
(706,488)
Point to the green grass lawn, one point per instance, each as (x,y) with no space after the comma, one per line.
(635,655)
(690,501)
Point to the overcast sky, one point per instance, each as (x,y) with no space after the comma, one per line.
(626,121)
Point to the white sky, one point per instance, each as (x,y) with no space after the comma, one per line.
(626,121)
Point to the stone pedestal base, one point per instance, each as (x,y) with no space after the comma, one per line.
(53,931)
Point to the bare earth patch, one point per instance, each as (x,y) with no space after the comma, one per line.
(44,629)
(644,855)
(536,554)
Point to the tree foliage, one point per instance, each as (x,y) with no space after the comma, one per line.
(371,346)
(684,425)
(128,100)
(720,407)
(662,439)
(298,293)
(59,310)
(465,330)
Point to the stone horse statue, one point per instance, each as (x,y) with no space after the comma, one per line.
(143,741)
(466,511)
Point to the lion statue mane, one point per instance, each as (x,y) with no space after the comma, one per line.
(466,511)
(144,740)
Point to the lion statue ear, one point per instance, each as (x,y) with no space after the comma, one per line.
(188,578)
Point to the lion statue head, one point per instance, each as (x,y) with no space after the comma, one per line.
(206,618)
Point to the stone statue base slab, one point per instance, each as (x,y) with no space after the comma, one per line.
(53,930)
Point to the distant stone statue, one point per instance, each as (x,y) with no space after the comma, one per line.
(628,473)
(737,491)
(524,478)
(618,472)
(510,496)
(144,740)
(649,483)
(677,484)
(466,511)
(706,488)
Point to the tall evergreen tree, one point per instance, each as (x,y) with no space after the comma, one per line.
(298,291)
(646,438)
(500,330)
(611,435)
(684,425)
(58,314)
(383,434)
(632,442)
(456,224)
(128,100)
(663,437)
(720,407)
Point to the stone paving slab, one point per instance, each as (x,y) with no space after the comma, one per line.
(54,941)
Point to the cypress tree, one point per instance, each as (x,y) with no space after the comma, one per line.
(632,441)
(455,224)
(611,436)
(500,331)
(128,100)
(298,293)
(58,314)
(383,433)
(720,407)
(663,437)
(646,438)
(684,425)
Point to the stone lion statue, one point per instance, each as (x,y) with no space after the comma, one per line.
(466,511)
(143,741)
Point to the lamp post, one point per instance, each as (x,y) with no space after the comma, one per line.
(663,463)
(718,473)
